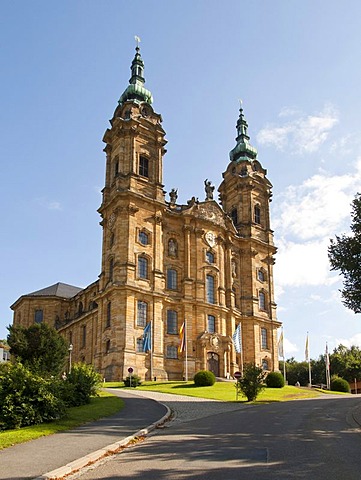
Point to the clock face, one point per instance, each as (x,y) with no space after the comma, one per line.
(210,239)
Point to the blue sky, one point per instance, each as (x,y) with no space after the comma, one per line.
(297,69)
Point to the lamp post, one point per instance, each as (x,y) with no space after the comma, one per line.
(70,349)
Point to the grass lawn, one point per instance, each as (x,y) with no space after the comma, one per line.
(224,391)
(99,407)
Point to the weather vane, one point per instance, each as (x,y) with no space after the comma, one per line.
(137,39)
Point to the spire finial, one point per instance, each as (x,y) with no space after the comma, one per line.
(243,149)
(137,39)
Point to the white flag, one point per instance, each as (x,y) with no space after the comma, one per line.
(281,352)
(307,353)
(237,339)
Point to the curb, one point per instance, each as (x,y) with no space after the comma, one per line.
(111,449)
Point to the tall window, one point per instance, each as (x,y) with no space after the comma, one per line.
(172,351)
(111,269)
(116,167)
(210,257)
(264,339)
(172,322)
(142,313)
(143,166)
(172,279)
(38,316)
(83,339)
(107,346)
(234,216)
(257,214)
(265,364)
(210,289)
(262,301)
(211,327)
(142,267)
(261,275)
(139,346)
(109,314)
(143,238)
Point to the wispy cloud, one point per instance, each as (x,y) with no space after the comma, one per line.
(303,134)
(349,342)
(49,204)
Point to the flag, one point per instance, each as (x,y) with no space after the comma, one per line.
(281,352)
(182,337)
(237,339)
(147,337)
(327,358)
(306,349)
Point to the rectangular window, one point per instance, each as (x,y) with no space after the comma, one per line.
(109,314)
(257,214)
(142,267)
(171,279)
(38,316)
(143,166)
(142,313)
(172,322)
(211,327)
(139,345)
(172,351)
(83,342)
(262,301)
(210,289)
(264,342)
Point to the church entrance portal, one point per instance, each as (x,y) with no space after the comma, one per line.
(213,363)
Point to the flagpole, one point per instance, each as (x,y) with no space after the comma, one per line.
(151,350)
(186,348)
(283,356)
(328,380)
(309,362)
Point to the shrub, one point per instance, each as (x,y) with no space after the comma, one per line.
(251,382)
(81,383)
(275,380)
(340,385)
(204,378)
(26,398)
(132,381)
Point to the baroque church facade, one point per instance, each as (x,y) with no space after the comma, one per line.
(205,263)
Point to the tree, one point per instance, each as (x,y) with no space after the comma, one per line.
(39,348)
(252,381)
(346,363)
(344,254)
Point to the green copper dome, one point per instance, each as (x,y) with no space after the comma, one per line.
(243,150)
(136,90)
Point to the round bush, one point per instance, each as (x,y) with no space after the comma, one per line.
(204,378)
(275,380)
(340,385)
(132,381)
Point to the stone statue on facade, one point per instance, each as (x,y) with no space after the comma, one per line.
(173,195)
(209,188)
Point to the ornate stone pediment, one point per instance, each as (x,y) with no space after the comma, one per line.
(209,211)
(214,341)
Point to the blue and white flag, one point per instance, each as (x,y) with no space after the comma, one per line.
(147,338)
(237,339)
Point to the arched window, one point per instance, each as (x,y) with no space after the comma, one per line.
(264,339)
(139,346)
(142,267)
(38,316)
(210,289)
(210,257)
(109,314)
(112,239)
(142,310)
(172,322)
(171,279)
(143,166)
(261,275)
(172,351)
(107,346)
(80,308)
(234,216)
(262,301)
(257,214)
(143,238)
(265,364)
(211,323)
(116,167)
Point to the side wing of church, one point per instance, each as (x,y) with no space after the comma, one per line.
(204,266)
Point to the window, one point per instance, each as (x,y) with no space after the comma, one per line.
(107,346)
(172,351)
(142,313)
(261,275)
(210,289)
(172,248)
(112,239)
(234,216)
(264,340)
(109,314)
(171,279)
(111,269)
(211,324)
(139,346)
(116,167)
(38,316)
(262,301)
(142,267)
(257,214)
(143,238)
(83,340)
(80,308)
(143,166)
(210,257)
(172,322)
(265,364)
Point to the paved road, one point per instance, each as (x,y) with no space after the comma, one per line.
(312,439)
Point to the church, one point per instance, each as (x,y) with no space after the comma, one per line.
(185,276)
